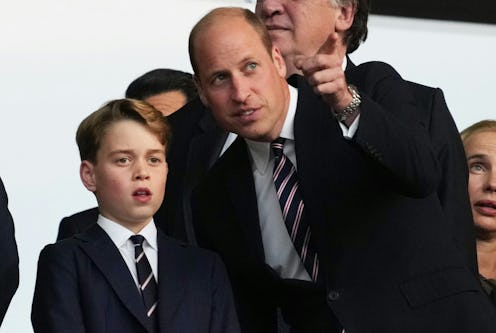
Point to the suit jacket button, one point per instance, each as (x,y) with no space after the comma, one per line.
(333,295)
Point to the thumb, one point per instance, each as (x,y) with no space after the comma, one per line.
(298,61)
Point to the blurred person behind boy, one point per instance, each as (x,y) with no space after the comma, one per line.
(164,88)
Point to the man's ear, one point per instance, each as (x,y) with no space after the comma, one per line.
(278,61)
(87,174)
(345,18)
(199,88)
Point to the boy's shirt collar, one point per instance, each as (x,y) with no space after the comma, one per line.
(120,234)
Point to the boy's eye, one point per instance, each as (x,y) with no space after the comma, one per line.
(155,160)
(123,160)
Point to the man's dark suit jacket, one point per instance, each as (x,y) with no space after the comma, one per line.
(197,142)
(386,248)
(9,263)
(84,285)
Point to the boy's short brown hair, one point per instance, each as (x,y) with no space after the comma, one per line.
(92,129)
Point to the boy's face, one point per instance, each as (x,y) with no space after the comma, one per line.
(129,176)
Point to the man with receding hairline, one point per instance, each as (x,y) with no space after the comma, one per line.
(366,209)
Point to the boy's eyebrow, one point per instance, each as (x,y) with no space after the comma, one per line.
(154,151)
(120,151)
(130,151)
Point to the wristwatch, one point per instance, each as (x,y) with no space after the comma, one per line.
(352,108)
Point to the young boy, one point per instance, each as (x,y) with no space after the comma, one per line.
(123,275)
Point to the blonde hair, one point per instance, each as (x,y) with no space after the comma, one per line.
(481,126)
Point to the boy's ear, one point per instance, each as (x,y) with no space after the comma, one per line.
(87,174)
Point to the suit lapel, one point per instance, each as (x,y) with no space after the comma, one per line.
(318,144)
(205,147)
(102,251)
(171,281)
(203,151)
(323,156)
(241,188)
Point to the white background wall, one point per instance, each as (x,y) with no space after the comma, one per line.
(60,60)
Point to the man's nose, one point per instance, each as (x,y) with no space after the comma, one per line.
(269,8)
(240,89)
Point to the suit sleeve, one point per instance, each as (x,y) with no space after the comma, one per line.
(453,190)
(390,132)
(9,264)
(224,317)
(56,307)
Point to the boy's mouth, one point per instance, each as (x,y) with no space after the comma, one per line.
(142,194)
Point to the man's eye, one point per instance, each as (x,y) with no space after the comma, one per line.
(251,66)
(219,78)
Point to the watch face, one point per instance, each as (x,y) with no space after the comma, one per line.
(352,107)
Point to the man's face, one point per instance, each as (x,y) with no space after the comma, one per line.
(129,176)
(167,102)
(240,81)
(298,27)
(480,149)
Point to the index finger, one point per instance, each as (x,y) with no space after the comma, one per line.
(329,47)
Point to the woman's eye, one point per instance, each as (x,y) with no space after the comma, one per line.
(477,167)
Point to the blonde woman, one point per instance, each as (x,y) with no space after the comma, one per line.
(480,147)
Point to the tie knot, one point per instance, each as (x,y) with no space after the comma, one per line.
(137,240)
(277,147)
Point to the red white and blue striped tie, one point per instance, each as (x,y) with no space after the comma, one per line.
(292,206)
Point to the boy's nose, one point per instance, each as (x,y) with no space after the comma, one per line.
(141,171)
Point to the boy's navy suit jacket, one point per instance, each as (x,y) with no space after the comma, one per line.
(84,285)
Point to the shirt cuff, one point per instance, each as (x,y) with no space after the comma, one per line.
(349,132)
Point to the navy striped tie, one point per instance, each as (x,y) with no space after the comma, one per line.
(146,280)
(292,206)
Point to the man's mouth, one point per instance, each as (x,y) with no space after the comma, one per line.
(272,27)
(247,112)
